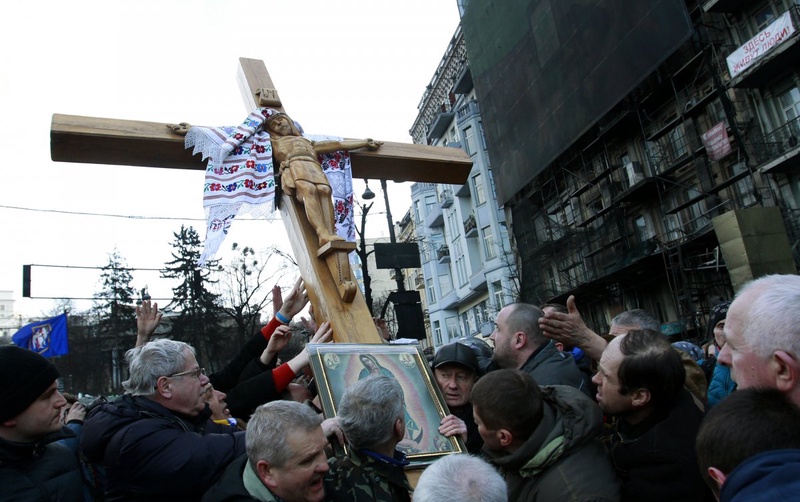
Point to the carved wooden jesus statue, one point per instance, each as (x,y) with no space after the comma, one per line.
(301,175)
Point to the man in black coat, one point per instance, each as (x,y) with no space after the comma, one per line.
(33,466)
(640,383)
(156,442)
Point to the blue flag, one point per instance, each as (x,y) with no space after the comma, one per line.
(48,337)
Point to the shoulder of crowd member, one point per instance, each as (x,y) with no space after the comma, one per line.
(49,471)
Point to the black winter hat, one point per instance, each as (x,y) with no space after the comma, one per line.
(717,314)
(456,353)
(24,376)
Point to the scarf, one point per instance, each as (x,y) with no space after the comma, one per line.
(240,177)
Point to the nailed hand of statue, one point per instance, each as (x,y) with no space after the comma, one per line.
(372,144)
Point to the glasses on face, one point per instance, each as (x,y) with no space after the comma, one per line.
(194,373)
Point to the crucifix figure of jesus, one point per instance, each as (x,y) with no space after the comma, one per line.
(135,143)
(301,174)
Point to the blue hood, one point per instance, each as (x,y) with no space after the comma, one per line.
(767,477)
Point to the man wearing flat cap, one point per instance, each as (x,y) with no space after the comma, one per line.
(33,465)
(455,368)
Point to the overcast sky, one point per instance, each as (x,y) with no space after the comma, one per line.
(354,68)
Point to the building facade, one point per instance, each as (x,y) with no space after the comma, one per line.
(468,270)
(685,189)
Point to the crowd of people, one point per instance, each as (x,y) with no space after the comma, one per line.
(554,412)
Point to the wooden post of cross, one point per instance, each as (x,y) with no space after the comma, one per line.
(123,142)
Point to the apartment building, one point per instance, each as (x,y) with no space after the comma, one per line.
(468,270)
(662,175)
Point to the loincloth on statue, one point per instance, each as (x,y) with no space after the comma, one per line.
(301,168)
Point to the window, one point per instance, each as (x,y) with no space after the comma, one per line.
(437,333)
(499,298)
(430,203)
(445,284)
(431,291)
(451,323)
(480,194)
(469,141)
(678,142)
(461,264)
(744,187)
(453,224)
(489,249)
(467,322)
(790,103)
(764,17)
(418,215)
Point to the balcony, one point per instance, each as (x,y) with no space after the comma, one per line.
(778,150)
(471,227)
(446,198)
(443,254)
(463,83)
(467,111)
(439,125)
(435,218)
(776,50)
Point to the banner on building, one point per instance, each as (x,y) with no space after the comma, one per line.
(717,143)
(48,337)
(761,44)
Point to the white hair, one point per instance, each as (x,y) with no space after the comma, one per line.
(270,426)
(460,478)
(772,321)
(146,364)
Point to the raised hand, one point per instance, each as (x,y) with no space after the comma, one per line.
(147,319)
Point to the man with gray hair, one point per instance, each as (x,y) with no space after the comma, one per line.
(456,478)
(285,458)
(520,344)
(372,418)
(762,335)
(156,442)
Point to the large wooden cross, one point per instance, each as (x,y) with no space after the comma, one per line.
(150,144)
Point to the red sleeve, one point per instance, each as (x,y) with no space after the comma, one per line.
(282,376)
(267,330)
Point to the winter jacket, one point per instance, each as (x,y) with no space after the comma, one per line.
(549,366)
(41,471)
(231,488)
(656,458)
(721,385)
(563,460)
(770,476)
(151,453)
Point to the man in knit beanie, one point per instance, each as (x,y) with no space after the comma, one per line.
(33,466)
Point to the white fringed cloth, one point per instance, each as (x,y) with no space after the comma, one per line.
(240,178)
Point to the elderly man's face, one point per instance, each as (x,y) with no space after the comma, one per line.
(748,369)
(300,478)
(455,382)
(189,390)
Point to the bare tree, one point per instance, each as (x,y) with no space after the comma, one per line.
(245,287)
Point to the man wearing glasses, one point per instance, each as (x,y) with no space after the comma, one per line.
(156,442)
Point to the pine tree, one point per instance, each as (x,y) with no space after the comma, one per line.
(116,320)
(195,304)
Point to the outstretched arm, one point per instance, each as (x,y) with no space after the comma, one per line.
(570,329)
(328,146)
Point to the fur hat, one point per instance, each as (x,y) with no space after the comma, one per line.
(24,376)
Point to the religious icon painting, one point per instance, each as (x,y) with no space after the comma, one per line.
(337,366)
